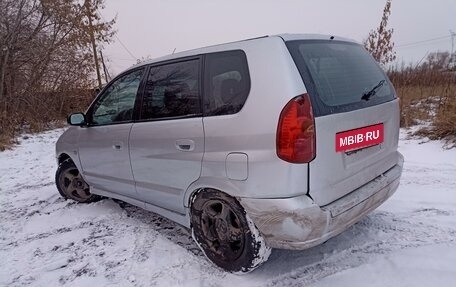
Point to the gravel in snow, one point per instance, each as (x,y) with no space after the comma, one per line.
(48,241)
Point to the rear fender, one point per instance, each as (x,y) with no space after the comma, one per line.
(224,185)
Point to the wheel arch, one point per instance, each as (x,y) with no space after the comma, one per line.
(209,183)
(63,157)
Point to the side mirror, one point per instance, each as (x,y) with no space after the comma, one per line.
(76,119)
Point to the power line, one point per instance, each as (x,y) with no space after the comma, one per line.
(423,41)
(118,39)
(126,49)
(120,59)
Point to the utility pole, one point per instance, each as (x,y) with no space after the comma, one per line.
(106,73)
(452,34)
(452,63)
(3,69)
(92,39)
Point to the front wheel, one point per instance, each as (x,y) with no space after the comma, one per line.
(225,233)
(71,185)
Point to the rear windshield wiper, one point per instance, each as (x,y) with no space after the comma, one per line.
(366,96)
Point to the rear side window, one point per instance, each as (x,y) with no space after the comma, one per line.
(172,90)
(227,83)
(338,74)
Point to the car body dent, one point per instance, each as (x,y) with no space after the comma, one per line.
(299,223)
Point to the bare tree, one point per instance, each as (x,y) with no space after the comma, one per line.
(437,61)
(379,42)
(46,56)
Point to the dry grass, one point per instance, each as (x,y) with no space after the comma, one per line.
(6,141)
(42,111)
(428,96)
(443,125)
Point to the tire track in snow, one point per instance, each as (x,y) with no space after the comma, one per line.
(387,232)
(171,230)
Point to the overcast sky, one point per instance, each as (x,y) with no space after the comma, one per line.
(151,28)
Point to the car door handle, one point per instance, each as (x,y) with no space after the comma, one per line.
(185,145)
(117,145)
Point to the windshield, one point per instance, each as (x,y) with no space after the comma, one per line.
(340,74)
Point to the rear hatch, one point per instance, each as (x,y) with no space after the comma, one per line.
(356,116)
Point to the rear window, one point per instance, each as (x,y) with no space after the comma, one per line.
(338,74)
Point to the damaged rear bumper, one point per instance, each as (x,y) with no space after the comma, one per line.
(299,223)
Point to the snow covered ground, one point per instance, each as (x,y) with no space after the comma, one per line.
(47,241)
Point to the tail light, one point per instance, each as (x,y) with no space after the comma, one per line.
(296,131)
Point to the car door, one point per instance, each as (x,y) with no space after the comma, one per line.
(103,144)
(167,142)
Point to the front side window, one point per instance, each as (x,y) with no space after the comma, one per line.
(118,100)
(227,83)
(172,90)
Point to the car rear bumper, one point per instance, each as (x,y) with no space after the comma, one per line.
(299,223)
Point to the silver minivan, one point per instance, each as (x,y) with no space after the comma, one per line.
(274,142)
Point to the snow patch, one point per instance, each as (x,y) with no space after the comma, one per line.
(48,241)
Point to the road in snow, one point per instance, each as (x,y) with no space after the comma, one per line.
(47,241)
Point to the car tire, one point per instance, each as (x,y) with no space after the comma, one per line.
(225,233)
(71,185)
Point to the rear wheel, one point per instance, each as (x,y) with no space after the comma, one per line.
(225,233)
(71,185)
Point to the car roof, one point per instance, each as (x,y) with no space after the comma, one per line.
(208,49)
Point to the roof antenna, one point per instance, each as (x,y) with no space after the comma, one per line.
(332,37)
(173,51)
